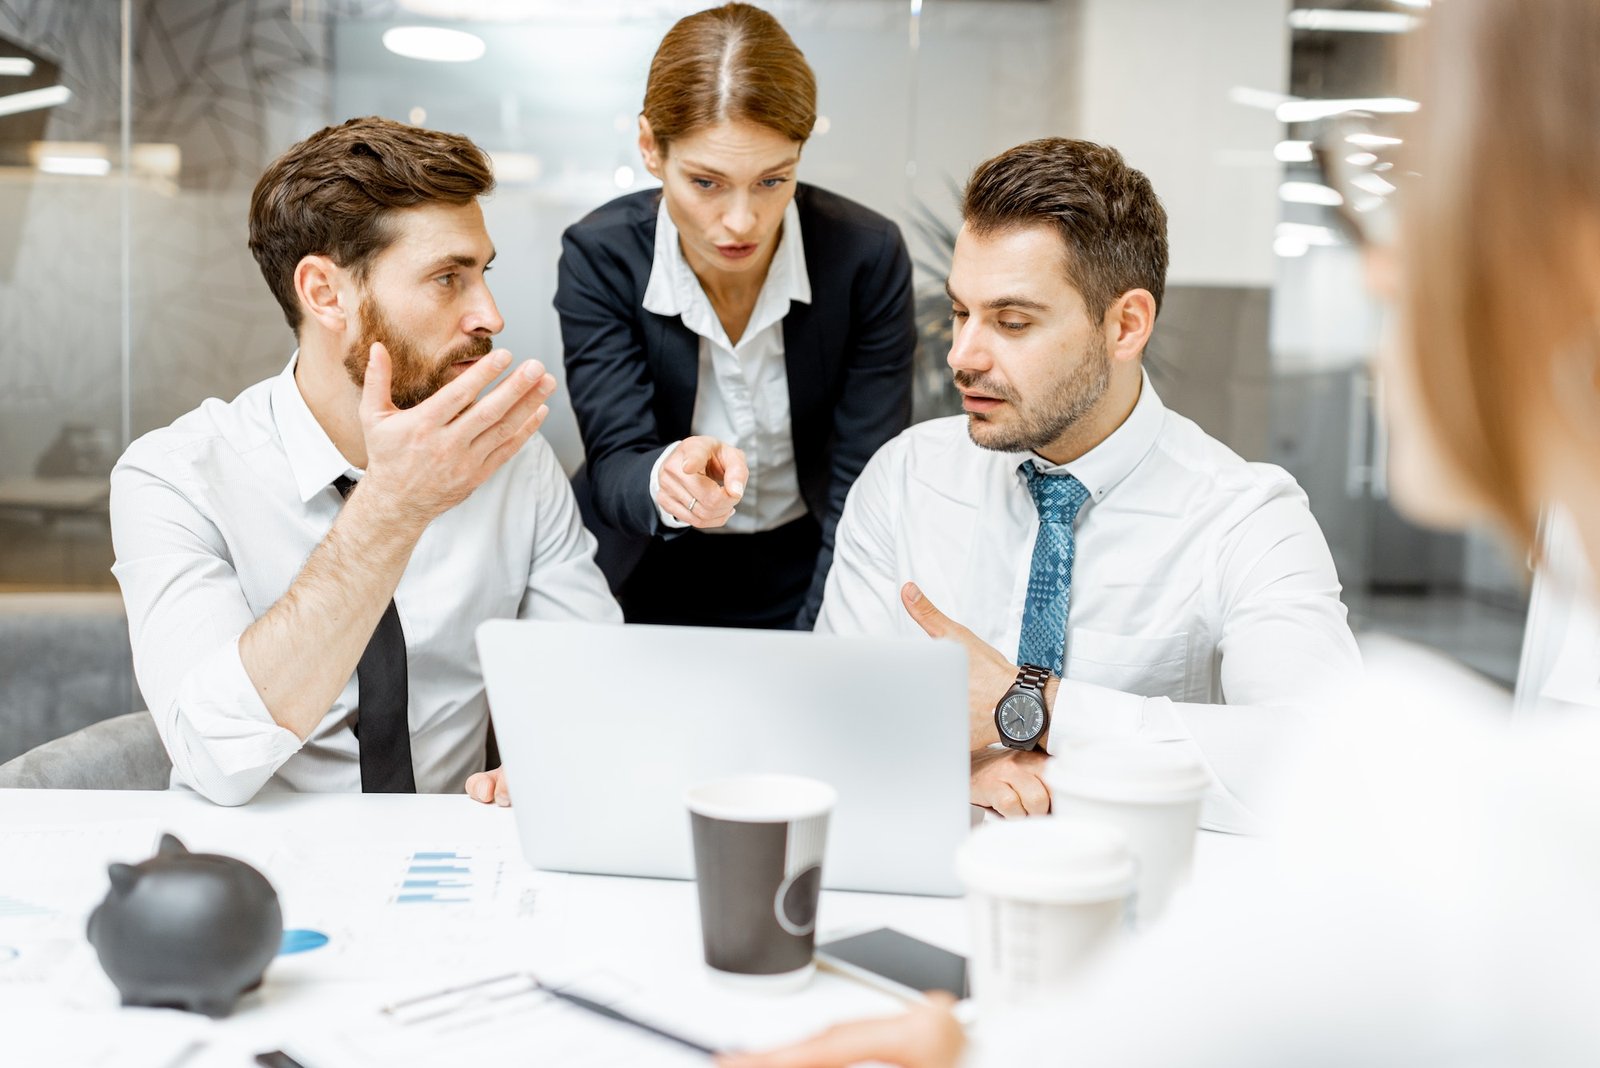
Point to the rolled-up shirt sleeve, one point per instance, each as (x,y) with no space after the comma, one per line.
(186,611)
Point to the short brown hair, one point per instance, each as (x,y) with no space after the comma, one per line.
(1497,308)
(330,195)
(732,63)
(1114,227)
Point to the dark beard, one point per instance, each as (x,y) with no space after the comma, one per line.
(415,376)
(1044,421)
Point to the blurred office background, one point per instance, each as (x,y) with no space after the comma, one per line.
(132,132)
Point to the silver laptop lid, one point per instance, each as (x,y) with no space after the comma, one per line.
(603,727)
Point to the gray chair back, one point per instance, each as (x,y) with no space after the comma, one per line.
(122,753)
(64,663)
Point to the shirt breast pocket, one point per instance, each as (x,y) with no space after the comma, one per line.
(1150,666)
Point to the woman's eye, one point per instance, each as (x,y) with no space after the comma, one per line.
(702,183)
(772,183)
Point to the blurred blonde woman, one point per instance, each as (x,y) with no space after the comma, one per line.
(1432,895)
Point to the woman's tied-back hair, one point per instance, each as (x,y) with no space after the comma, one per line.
(732,63)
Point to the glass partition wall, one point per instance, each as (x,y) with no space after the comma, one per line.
(132,132)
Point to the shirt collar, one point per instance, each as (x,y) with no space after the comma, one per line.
(313,458)
(1108,463)
(673,288)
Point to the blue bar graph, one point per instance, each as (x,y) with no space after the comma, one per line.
(445,877)
(11,906)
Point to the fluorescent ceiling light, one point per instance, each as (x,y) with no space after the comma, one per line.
(1316,18)
(515,167)
(33,99)
(1370,140)
(1311,110)
(1289,247)
(1258,98)
(434,43)
(148,159)
(86,166)
(1373,184)
(1309,193)
(16,66)
(1307,233)
(1292,152)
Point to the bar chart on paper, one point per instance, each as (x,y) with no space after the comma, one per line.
(446,878)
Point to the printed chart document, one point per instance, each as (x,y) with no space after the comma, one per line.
(402,909)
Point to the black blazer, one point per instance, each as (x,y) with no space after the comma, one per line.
(632,375)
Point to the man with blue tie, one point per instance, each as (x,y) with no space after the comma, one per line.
(1150,582)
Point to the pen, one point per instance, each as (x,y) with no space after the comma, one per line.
(621,1017)
(576,1000)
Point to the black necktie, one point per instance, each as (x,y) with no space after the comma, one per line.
(382,727)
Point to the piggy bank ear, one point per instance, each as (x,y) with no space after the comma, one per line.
(171,847)
(123,876)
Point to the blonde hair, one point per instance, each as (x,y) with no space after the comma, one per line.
(1508,150)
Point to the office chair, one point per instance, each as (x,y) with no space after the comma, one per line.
(121,753)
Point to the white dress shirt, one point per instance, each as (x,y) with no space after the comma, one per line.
(1204,606)
(743,393)
(213,518)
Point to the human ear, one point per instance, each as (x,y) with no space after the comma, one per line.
(650,149)
(320,285)
(1128,324)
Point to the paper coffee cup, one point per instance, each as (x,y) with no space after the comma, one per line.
(758,847)
(1045,897)
(1151,791)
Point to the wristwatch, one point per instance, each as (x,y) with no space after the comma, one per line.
(1021,716)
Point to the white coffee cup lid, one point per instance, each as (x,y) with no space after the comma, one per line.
(1047,859)
(762,798)
(1128,770)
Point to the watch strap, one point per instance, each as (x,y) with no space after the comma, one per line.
(1032,677)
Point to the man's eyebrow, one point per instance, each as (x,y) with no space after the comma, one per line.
(457,259)
(999,303)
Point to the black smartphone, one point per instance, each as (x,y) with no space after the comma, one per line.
(896,962)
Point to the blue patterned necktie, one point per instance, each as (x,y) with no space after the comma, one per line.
(1044,615)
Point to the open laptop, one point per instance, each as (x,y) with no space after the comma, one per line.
(603,727)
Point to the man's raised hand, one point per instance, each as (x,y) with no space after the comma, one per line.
(425,460)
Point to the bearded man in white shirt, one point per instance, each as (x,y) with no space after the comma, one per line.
(305,565)
(1148,581)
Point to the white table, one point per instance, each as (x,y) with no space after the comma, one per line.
(331,858)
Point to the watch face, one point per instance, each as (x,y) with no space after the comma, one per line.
(1021,717)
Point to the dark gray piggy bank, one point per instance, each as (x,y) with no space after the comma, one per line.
(186,930)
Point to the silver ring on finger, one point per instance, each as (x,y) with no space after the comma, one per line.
(692,502)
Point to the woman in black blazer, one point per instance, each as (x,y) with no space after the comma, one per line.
(737,345)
